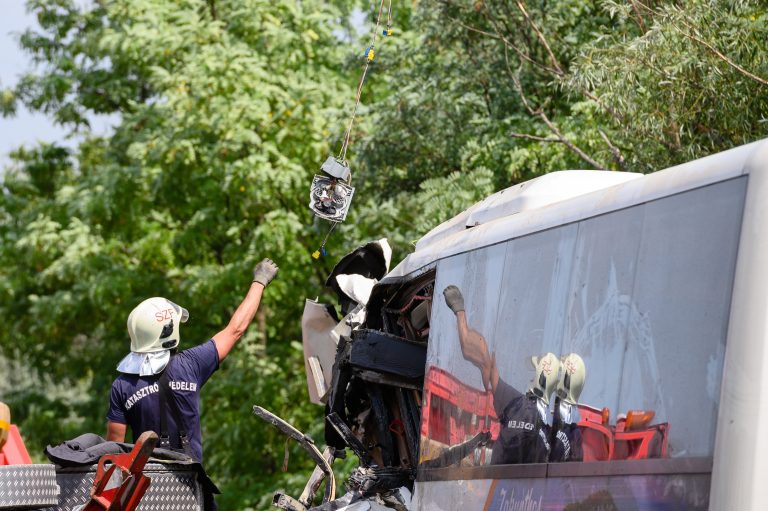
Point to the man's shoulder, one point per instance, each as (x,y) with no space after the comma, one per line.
(197,363)
(202,350)
(123,378)
(124,383)
(202,355)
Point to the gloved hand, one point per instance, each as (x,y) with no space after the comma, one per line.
(453,298)
(264,272)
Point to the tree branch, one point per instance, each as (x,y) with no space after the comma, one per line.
(554,129)
(559,137)
(720,55)
(212,6)
(506,42)
(535,138)
(541,37)
(614,150)
(612,111)
(640,21)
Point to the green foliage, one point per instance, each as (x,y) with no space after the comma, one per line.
(693,82)
(227,107)
(224,106)
(525,88)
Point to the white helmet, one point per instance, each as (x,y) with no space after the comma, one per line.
(572,380)
(154,325)
(545,381)
(154,329)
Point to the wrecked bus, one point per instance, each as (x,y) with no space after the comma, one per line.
(583,341)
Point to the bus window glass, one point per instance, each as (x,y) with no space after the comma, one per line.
(594,341)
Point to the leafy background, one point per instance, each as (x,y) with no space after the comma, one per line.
(225,110)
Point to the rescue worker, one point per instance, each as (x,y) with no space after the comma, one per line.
(566,435)
(159,389)
(526,434)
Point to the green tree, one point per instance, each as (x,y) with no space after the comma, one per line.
(483,95)
(225,109)
(682,80)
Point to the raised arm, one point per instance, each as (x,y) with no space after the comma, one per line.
(474,348)
(225,340)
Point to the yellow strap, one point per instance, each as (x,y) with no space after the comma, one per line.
(4,425)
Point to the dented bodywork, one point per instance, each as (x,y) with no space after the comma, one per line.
(367,369)
(604,280)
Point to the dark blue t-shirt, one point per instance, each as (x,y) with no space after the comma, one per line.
(135,400)
(524,434)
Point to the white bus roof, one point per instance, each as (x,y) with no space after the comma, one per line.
(563,197)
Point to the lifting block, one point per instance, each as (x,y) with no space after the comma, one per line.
(134,483)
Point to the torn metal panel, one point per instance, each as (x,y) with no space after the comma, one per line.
(409,417)
(372,480)
(286,502)
(371,379)
(370,261)
(320,332)
(388,379)
(399,431)
(381,421)
(309,445)
(398,499)
(344,502)
(317,477)
(386,353)
(388,299)
(353,279)
(356,287)
(342,375)
(354,319)
(346,434)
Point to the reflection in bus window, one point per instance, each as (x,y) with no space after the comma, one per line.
(527,434)
(566,435)
(546,422)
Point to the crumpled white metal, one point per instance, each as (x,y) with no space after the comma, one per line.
(357,287)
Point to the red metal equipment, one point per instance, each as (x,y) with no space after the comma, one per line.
(597,440)
(13,452)
(631,438)
(636,439)
(134,484)
(454,411)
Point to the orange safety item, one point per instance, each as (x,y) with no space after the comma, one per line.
(632,438)
(637,419)
(5,423)
(128,494)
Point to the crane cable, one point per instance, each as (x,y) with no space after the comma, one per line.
(369,56)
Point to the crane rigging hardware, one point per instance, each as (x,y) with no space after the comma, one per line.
(331,191)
